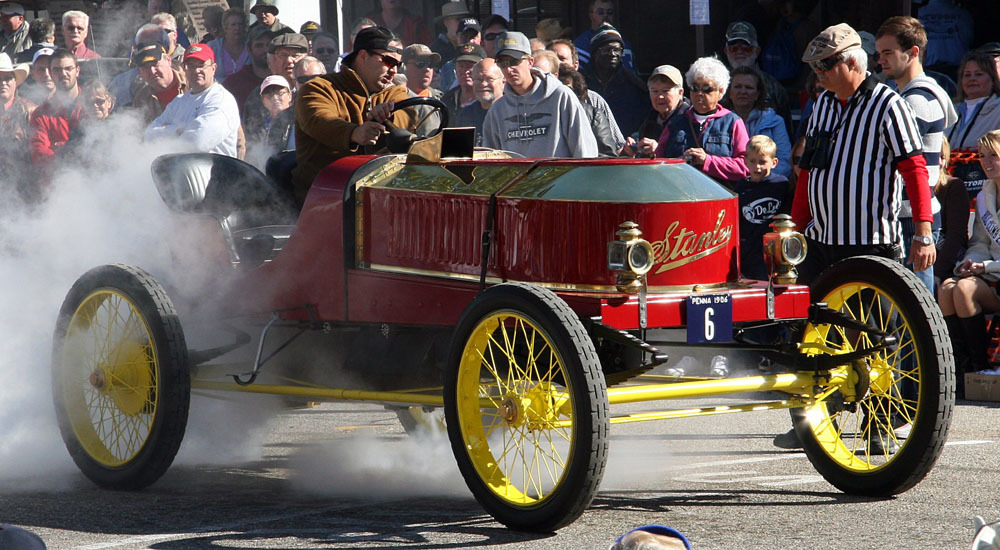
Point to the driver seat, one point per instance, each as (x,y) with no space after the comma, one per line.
(255,214)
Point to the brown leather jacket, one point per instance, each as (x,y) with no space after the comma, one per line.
(145,101)
(327,109)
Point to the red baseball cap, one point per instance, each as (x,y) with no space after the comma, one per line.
(201,52)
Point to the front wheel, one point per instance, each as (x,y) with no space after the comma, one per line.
(852,432)
(120,377)
(527,407)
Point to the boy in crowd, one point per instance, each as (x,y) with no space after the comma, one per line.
(762,196)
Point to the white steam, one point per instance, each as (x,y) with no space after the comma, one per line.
(99,211)
(369,466)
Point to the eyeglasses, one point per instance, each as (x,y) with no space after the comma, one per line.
(491,36)
(602,11)
(389,62)
(824,65)
(422,64)
(706,89)
(324,51)
(294,56)
(611,50)
(505,61)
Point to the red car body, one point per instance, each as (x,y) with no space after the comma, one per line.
(406,248)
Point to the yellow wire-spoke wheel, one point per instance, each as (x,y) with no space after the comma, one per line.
(877,388)
(120,377)
(853,431)
(526,407)
(513,420)
(109,377)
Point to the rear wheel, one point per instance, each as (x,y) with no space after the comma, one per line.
(849,433)
(527,407)
(120,377)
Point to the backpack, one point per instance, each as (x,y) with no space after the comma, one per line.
(780,58)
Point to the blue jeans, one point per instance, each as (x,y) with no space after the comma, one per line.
(927,275)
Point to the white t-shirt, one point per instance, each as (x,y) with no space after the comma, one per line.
(209,121)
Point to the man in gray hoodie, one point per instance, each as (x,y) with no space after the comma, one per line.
(900,44)
(537,116)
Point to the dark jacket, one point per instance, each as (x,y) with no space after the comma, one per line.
(472,115)
(759,202)
(652,128)
(602,131)
(626,94)
(954,226)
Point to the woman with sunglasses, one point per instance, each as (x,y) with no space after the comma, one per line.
(965,298)
(708,136)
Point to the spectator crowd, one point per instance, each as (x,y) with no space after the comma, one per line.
(749,118)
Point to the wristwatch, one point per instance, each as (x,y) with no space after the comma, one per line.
(923,239)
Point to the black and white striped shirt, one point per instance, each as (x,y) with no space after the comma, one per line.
(856,200)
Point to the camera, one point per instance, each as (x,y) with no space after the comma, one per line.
(817,150)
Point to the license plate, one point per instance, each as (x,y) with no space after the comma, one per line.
(709,318)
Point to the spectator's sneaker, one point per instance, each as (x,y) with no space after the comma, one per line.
(787,440)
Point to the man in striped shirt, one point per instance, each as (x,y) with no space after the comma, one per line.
(901,42)
(860,133)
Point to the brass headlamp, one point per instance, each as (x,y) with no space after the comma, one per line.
(784,248)
(631,257)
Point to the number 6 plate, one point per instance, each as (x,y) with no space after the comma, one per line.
(709,318)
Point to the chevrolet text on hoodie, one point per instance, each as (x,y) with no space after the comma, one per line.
(548,121)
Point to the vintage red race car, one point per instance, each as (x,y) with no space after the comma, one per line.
(524,296)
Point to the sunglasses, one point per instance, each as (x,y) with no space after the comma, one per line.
(491,35)
(706,89)
(7,78)
(325,50)
(505,61)
(824,65)
(389,62)
(423,64)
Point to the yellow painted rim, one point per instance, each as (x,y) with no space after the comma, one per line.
(843,434)
(109,376)
(514,409)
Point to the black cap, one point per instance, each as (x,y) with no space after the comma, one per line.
(469,24)
(375,38)
(470,52)
(145,53)
(288,40)
(309,27)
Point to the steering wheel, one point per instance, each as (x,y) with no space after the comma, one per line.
(399,139)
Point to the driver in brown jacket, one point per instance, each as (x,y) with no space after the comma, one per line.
(336,114)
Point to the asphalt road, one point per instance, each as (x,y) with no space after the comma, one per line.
(346,476)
